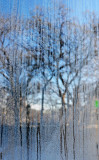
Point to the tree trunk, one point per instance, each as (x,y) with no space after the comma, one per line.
(28,129)
(20,116)
(63,128)
(42,107)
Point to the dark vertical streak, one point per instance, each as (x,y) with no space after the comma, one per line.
(2,127)
(38,135)
(20,134)
(1,156)
(1,133)
(28,129)
(20,117)
(97,146)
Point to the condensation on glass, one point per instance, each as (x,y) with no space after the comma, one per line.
(49,80)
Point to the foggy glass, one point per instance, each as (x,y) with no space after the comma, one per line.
(49,80)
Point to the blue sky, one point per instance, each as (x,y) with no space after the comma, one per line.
(79,7)
(24,6)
